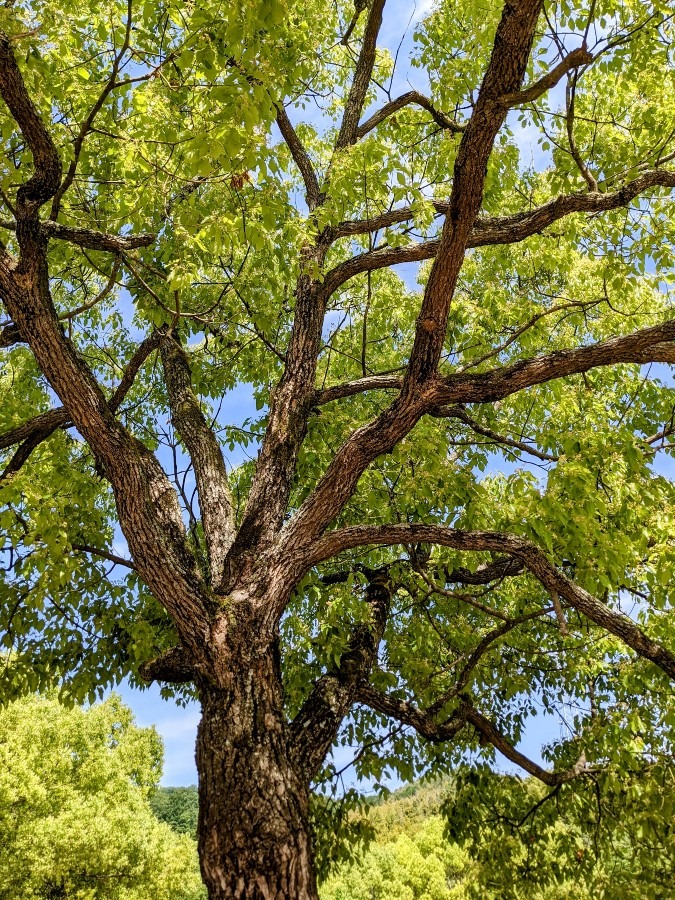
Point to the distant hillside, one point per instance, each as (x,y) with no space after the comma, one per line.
(178,807)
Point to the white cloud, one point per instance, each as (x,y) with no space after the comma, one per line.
(422,9)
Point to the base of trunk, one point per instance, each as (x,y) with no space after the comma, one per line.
(254,839)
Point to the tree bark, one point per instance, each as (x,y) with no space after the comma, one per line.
(254,838)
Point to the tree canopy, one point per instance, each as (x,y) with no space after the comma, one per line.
(75,818)
(438,258)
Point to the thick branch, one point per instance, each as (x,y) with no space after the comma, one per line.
(89,237)
(579,57)
(291,404)
(44,182)
(360,386)
(655,344)
(301,157)
(148,508)
(425,725)
(173,666)
(25,449)
(649,345)
(215,499)
(32,433)
(362,75)
(485,573)
(532,557)
(510,229)
(383,433)
(10,335)
(47,421)
(315,727)
(504,75)
(409,714)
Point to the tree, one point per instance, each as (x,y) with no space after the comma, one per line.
(178,807)
(420,866)
(598,841)
(411,856)
(199,197)
(75,819)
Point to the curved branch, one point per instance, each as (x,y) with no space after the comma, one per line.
(425,725)
(215,499)
(32,433)
(655,344)
(579,57)
(532,557)
(89,237)
(409,714)
(301,157)
(46,177)
(457,412)
(411,97)
(488,731)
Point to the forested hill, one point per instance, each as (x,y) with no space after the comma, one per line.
(178,807)
(433,841)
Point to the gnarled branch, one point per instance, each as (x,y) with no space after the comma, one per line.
(486,231)
(32,433)
(89,238)
(655,344)
(425,724)
(316,725)
(46,177)
(174,666)
(579,57)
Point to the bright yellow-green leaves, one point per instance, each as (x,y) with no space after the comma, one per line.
(420,865)
(75,819)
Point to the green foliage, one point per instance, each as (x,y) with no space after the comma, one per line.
(481,834)
(610,837)
(178,807)
(75,820)
(410,859)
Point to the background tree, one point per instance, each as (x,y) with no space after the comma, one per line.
(75,820)
(178,807)
(171,234)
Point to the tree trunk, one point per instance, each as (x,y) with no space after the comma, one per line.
(254,839)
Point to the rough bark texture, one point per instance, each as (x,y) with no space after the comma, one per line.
(254,839)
